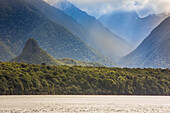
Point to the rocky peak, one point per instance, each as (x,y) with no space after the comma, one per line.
(31,46)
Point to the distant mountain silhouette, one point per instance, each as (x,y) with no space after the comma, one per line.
(130,26)
(154,51)
(20,20)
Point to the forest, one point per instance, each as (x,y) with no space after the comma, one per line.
(26,79)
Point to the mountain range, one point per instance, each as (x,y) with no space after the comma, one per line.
(154,51)
(69,36)
(130,26)
(98,36)
(20,20)
(33,54)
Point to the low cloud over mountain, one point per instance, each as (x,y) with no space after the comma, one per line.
(100,7)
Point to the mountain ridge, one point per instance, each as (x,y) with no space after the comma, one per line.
(20,20)
(99,37)
(154,51)
(130,26)
(33,54)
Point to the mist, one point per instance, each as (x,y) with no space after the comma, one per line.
(98,8)
(97,36)
(100,37)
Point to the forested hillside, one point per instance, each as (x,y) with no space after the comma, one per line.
(20,78)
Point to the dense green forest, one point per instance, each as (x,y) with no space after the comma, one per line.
(20,78)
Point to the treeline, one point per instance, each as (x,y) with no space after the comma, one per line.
(20,78)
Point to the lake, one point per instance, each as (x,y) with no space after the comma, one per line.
(84,104)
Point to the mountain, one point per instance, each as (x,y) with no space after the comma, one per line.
(33,54)
(59,17)
(5,52)
(97,36)
(154,51)
(20,20)
(130,26)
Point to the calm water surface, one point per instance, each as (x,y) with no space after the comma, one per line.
(84,104)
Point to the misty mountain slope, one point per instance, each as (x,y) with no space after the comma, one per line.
(20,20)
(130,26)
(66,46)
(99,37)
(153,51)
(59,17)
(80,16)
(5,52)
(33,54)
(17,19)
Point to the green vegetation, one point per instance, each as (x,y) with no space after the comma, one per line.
(72,62)
(21,78)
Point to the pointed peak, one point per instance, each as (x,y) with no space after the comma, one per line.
(31,45)
(31,40)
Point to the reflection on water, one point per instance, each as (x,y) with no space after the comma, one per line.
(84,104)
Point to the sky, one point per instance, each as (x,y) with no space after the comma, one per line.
(98,8)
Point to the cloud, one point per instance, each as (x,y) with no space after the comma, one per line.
(99,7)
(152,7)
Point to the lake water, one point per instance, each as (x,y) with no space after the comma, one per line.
(84,104)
